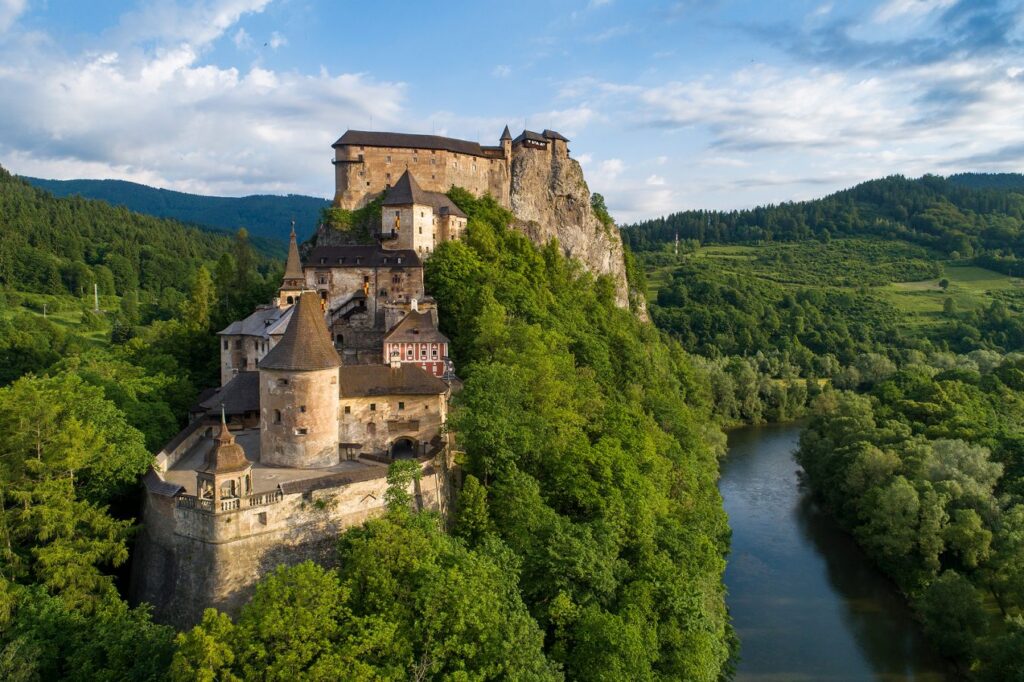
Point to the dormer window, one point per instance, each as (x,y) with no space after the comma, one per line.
(323,261)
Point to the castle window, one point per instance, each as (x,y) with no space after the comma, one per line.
(388,160)
(423,214)
(238,344)
(395,279)
(277,416)
(421,229)
(301,432)
(323,261)
(322,279)
(367,183)
(432,177)
(399,260)
(414,159)
(371,429)
(282,382)
(302,409)
(348,409)
(401,405)
(225,344)
(408,354)
(373,407)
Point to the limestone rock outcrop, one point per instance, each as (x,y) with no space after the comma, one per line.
(550,198)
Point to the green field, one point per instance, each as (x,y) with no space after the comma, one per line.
(890,270)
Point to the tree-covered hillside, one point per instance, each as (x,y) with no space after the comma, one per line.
(263,215)
(64,246)
(942,214)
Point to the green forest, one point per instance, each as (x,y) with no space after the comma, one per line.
(263,215)
(590,539)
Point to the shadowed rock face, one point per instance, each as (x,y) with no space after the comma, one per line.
(551,199)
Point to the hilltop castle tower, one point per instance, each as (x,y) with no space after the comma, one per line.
(299,393)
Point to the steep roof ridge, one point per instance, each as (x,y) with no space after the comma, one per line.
(306,343)
(293,267)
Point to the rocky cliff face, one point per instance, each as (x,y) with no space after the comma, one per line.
(550,198)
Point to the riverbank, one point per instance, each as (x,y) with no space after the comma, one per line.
(806,602)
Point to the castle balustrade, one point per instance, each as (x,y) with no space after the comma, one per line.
(230,504)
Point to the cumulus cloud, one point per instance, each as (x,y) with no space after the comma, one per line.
(501,71)
(152,110)
(277,40)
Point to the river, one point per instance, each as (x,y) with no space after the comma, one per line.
(806,602)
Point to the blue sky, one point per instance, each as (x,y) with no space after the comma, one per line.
(669,105)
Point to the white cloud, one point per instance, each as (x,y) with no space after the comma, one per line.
(161,115)
(569,122)
(277,40)
(655,181)
(10,10)
(501,71)
(910,9)
(242,40)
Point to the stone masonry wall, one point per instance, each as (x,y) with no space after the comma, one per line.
(436,170)
(188,560)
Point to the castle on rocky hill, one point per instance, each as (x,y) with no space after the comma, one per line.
(345,371)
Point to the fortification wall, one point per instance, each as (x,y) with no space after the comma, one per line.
(189,560)
(436,170)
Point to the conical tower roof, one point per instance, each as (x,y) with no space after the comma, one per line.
(306,343)
(406,191)
(226,455)
(293,267)
(505,135)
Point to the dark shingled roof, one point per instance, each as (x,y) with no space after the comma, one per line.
(293,266)
(306,344)
(240,395)
(367,138)
(159,486)
(416,327)
(530,135)
(360,381)
(354,256)
(505,134)
(553,135)
(407,191)
(226,456)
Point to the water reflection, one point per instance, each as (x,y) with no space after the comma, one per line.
(805,601)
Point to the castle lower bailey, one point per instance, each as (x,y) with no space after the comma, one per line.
(343,372)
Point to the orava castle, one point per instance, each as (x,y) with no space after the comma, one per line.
(344,372)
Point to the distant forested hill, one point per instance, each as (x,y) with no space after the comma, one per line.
(52,245)
(262,215)
(1008,181)
(963,216)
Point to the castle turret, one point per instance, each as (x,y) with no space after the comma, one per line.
(299,393)
(506,143)
(294,280)
(226,473)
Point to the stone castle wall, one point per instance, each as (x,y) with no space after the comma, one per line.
(188,559)
(361,173)
(299,418)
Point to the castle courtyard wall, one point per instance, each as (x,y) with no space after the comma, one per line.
(189,560)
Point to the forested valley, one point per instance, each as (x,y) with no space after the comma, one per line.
(889,315)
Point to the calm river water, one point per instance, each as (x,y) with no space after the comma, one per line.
(805,601)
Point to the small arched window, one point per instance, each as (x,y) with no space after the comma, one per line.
(277,416)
